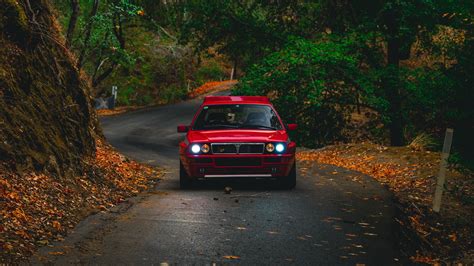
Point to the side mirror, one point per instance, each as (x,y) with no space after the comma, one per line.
(292,127)
(183,129)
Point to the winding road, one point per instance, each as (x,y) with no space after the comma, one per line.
(328,219)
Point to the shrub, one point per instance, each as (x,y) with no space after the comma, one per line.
(124,96)
(311,83)
(173,94)
(211,72)
(423,142)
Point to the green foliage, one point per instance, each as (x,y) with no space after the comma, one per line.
(124,43)
(313,84)
(99,39)
(407,61)
(125,95)
(173,94)
(242,30)
(426,93)
(209,72)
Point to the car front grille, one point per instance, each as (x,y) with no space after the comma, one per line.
(251,148)
(224,148)
(238,161)
(237,148)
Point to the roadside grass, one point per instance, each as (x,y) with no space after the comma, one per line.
(410,173)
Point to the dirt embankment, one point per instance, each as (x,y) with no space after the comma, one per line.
(45,113)
(55,169)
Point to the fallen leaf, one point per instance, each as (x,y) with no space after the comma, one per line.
(57,225)
(55,253)
(231,257)
(453,237)
(370,234)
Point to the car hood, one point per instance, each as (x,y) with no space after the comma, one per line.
(213,136)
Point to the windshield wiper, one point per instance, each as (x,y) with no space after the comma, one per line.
(219,126)
(257,126)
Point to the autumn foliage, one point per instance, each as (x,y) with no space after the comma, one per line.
(38,208)
(411,175)
(212,86)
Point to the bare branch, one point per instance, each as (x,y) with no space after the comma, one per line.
(75,8)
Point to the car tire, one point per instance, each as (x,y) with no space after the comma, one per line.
(289,181)
(184,180)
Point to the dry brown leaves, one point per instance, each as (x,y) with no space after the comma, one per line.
(38,208)
(411,176)
(212,86)
(117,110)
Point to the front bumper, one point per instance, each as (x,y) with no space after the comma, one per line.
(248,165)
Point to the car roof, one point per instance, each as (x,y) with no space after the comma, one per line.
(236,100)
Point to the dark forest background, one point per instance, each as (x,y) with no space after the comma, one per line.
(393,71)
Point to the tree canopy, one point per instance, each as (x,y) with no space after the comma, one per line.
(404,63)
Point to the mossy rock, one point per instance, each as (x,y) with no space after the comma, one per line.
(13,21)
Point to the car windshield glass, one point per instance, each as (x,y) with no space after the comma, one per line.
(237,116)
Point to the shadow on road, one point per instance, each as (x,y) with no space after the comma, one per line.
(246,184)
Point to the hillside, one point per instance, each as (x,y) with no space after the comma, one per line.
(55,168)
(45,109)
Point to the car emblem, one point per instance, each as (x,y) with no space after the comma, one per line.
(221,149)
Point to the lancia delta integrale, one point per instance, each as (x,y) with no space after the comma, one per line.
(237,136)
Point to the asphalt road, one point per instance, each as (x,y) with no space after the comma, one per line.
(328,219)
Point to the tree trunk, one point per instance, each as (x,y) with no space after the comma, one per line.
(232,73)
(98,78)
(72,22)
(96,81)
(391,80)
(87,36)
(234,69)
(118,30)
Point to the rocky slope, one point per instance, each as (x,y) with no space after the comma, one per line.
(45,116)
(55,168)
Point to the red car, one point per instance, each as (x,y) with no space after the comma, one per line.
(237,136)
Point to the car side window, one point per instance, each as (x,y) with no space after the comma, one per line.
(274,121)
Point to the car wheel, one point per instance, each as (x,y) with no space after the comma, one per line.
(184,179)
(289,181)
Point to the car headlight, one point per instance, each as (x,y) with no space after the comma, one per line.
(195,148)
(270,147)
(280,147)
(205,148)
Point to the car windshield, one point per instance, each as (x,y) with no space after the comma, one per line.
(237,116)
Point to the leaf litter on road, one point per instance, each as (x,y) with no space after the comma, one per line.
(410,175)
(231,257)
(38,208)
